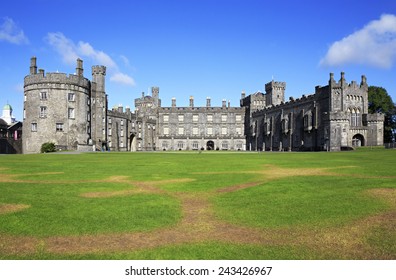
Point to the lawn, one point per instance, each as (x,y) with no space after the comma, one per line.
(190,205)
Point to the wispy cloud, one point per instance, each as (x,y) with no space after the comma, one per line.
(70,51)
(122,79)
(373,45)
(11,33)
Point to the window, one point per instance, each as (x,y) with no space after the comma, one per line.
(122,122)
(209,118)
(181,130)
(195,130)
(224,146)
(238,131)
(166,118)
(59,127)
(122,133)
(238,118)
(109,120)
(43,95)
(166,130)
(195,118)
(224,118)
(308,121)
(209,131)
(164,145)
(34,126)
(70,113)
(180,145)
(224,131)
(181,118)
(71,96)
(109,133)
(195,145)
(43,112)
(122,144)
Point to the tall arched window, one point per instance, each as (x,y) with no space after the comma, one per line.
(358,117)
(353,118)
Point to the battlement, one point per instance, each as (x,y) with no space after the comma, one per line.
(343,83)
(275,84)
(56,78)
(99,69)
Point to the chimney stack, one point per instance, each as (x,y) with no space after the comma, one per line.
(33,65)
(208,102)
(79,68)
(173,102)
(191,101)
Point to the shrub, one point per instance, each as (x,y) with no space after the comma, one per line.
(48,147)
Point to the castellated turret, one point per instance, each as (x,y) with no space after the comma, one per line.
(57,107)
(275,93)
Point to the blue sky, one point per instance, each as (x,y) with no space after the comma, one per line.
(203,48)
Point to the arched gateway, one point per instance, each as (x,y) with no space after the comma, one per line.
(358,140)
(210,145)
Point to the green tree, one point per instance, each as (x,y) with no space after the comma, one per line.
(379,101)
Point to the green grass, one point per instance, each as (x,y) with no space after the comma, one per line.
(53,185)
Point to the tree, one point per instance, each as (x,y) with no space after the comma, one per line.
(379,101)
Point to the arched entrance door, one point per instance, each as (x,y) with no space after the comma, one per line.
(358,140)
(210,145)
(132,142)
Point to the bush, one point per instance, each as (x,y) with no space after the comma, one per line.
(48,147)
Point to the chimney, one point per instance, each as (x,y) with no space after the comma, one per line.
(342,80)
(208,102)
(173,102)
(364,80)
(243,95)
(41,72)
(229,103)
(33,65)
(142,94)
(224,103)
(79,68)
(120,108)
(191,101)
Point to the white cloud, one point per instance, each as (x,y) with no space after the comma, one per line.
(64,46)
(374,45)
(70,51)
(85,49)
(122,79)
(125,60)
(11,33)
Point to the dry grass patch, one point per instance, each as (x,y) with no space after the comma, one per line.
(10,208)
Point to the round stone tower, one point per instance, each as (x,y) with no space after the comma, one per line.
(56,109)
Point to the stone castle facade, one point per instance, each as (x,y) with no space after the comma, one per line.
(72,111)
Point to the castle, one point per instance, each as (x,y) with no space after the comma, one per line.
(72,111)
